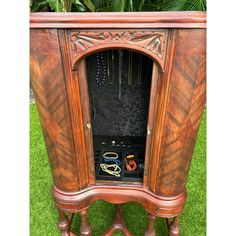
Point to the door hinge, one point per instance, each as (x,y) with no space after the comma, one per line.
(148,131)
(88,125)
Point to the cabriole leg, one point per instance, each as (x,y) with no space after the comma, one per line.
(85,229)
(63,223)
(151,229)
(173,227)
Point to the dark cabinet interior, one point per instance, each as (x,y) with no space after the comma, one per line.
(119,84)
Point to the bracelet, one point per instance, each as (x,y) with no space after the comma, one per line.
(115,155)
(117,162)
(115,172)
(130,156)
(130,165)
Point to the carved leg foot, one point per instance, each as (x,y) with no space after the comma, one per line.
(173,227)
(151,229)
(85,229)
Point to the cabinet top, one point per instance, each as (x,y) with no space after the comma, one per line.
(184,19)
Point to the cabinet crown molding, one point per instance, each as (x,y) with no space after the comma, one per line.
(187,19)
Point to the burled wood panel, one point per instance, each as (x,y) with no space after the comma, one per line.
(185,105)
(49,89)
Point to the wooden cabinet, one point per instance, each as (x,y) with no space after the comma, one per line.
(126,83)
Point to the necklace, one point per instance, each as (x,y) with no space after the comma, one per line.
(108,65)
(130,68)
(116,169)
(101,69)
(111,80)
(120,72)
(140,64)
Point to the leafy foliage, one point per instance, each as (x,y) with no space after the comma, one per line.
(55,5)
(176,5)
(118,5)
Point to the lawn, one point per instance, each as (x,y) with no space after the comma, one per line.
(43,214)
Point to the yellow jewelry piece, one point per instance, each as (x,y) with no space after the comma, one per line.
(130,156)
(115,155)
(114,172)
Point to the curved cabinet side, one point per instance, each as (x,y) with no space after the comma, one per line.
(48,85)
(185,105)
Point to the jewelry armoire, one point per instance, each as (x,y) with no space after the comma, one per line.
(120,98)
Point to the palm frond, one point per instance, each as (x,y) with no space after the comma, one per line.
(196,5)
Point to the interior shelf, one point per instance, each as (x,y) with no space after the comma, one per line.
(123,146)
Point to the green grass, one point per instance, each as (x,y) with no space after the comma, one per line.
(43,214)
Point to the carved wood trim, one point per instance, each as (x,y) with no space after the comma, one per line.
(150,42)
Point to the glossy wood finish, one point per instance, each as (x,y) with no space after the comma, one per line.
(85,228)
(156,205)
(48,84)
(58,75)
(151,227)
(119,20)
(173,227)
(186,101)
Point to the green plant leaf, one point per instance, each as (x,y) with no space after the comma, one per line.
(60,5)
(137,5)
(38,5)
(118,6)
(55,5)
(89,4)
(141,5)
(181,5)
(67,4)
(78,5)
(196,5)
(130,5)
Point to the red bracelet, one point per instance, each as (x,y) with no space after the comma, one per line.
(131,165)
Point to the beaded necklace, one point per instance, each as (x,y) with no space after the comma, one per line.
(101,69)
(116,169)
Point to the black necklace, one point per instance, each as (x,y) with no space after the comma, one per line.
(101,69)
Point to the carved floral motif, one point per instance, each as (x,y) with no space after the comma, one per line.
(153,41)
